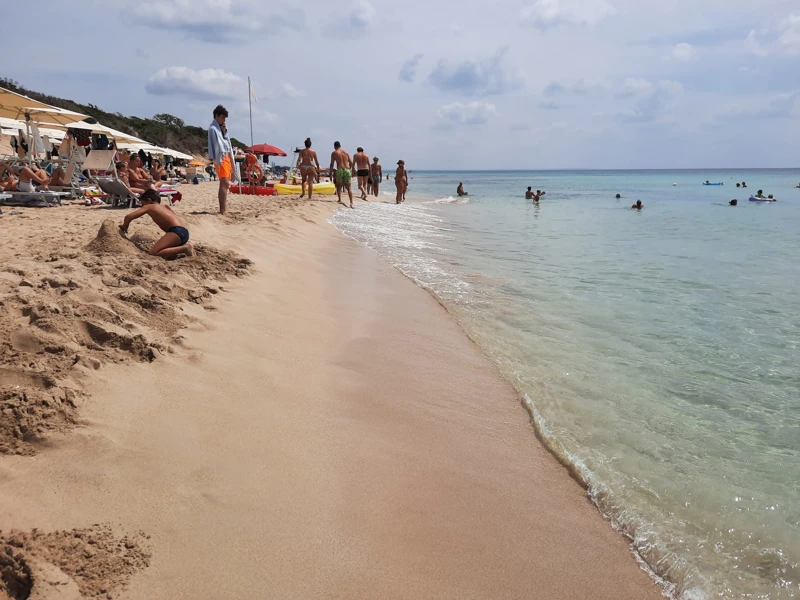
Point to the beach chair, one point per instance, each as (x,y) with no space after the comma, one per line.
(42,198)
(100,160)
(118,192)
(73,188)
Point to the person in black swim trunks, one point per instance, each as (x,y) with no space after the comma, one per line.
(175,240)
(361,169)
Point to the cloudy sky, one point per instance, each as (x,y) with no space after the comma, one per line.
(522,84)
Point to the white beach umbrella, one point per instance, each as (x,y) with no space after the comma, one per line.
(21,108)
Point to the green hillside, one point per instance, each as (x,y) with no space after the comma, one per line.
(162,129)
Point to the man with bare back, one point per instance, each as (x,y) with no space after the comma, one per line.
(377,175)
(343,172)
(361,161)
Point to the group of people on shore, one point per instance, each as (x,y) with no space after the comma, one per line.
(344,168)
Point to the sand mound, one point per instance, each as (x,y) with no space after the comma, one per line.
(69,312)
(109,240)
(92,562)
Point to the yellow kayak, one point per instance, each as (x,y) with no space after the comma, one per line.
(326,189)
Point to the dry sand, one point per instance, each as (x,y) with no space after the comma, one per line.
(306,425)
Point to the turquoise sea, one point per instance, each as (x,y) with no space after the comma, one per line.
(658,351)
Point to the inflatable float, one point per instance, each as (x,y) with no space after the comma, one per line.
(755,199)
(254,190)
(324,189)
(713,183)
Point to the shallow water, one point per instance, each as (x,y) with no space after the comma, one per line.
(658,350)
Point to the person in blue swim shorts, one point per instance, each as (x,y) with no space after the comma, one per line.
(175,240)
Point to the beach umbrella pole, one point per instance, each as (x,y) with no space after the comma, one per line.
(30,139)
(250,103)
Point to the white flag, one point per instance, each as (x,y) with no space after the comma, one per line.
(252,91)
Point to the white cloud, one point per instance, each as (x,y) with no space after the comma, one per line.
(483,77)
(790,36)
(291,92)
(208,83)
(358,20)
(778,106)
(216,21)
(264,116)
(633,86)
(753,45)
(546,14)
(408,71)
(652,100)
(471,113)
(580,88)
(781,40)
(683,52)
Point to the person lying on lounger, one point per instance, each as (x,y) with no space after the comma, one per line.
(123,173)
(28,176)
(175,240)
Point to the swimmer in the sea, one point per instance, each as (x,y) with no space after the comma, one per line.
(638,205)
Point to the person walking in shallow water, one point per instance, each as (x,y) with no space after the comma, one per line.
(361,168)
(377,175)
(343,173)
(399,180)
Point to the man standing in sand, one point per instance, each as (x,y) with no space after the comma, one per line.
(343,172)
(400,180)
(361,167)
(376,172)
(220,151)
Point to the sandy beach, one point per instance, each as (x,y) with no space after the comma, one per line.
(282,416)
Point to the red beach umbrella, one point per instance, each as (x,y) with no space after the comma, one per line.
(266,149)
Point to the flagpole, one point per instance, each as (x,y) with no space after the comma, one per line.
(250,102)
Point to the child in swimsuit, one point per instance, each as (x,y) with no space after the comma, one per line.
(175,240)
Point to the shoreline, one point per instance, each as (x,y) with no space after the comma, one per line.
(349,440)
(537,423)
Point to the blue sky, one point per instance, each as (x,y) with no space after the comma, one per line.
(528,84)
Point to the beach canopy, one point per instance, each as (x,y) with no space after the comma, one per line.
(13,126)
(266,149)
(153,149)
(22,108)
(197,163)
(119,136)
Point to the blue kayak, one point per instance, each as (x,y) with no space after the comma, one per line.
(754,199)
(713,183)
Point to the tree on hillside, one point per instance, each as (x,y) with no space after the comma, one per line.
(169,120)
(10,84)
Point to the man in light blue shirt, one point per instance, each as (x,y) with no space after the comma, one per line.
(220,151)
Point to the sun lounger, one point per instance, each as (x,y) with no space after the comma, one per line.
(100,160)
(72,187)
(41,198)
(118,192)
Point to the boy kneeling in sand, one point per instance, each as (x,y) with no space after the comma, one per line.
(176,239)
